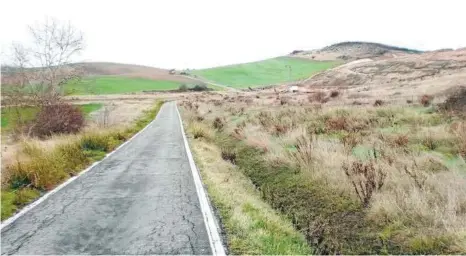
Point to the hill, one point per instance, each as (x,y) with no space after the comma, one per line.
(262,73)
(130,70)
(348,51)
(404,77)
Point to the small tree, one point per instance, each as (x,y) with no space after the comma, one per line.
(38,73)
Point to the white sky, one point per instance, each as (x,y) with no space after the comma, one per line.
(206,33)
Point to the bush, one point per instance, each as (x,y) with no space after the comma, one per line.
(366,179)
(183,88)
(59,118)
(334,93)
(200,87)
(229,154)
(378,103)
(426,100)
(218,123)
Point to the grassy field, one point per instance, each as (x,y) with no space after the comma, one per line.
(352,179)
(8,118)
(271,71)
(117,85)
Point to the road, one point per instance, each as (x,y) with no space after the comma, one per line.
(140,200)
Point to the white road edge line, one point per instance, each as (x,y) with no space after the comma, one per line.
(211,227)
(29,207)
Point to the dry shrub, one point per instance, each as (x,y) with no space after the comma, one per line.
(284,100)
(217,102)
(378,103)
(198,130)
(401,140)
(218,123)
(318,97)
(304,154)
(229,154)
(456,103)
(426,100)
(279,129)
(351,140)
(366,178)
(334,94)
(55,119)
(460,133)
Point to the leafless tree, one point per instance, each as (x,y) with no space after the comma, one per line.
(39,72)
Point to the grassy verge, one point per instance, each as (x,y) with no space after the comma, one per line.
(44,169)
(252,226)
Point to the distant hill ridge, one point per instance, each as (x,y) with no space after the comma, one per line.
(368,46)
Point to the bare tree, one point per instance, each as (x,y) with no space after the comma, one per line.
(40,72)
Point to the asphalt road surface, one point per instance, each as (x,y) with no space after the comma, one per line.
(140,200)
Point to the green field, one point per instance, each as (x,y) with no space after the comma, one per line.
(266,72)
(9,116)
(117,85)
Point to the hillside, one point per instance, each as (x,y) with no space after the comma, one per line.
(262,73)
(436,73)
(348,51)
(129,70)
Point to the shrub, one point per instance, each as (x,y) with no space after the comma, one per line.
(198,130)
(334,93)
(401,140)
(426,100)
(378,103)
(318,97)
(59,118)
(229,154)
(366,178)
(218,123)
(200,87)
(183,88)
(284,100)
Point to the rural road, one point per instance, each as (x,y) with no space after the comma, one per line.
(140,200)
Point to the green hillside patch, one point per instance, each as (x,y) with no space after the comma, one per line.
(118,85)
(266,72)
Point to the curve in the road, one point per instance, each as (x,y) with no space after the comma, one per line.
(142,199)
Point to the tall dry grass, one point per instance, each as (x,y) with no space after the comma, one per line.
(416,156)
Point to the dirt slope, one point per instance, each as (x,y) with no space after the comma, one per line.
(437,73)
(348,51)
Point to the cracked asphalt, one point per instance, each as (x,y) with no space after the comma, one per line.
(140,200)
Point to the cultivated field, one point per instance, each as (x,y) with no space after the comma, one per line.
(263,73)
(118,85)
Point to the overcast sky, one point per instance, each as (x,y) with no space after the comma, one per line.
(206,33)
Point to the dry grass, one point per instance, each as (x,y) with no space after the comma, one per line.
(252,226)
(405,165)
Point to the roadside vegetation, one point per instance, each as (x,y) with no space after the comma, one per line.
(377,179)
(262,73)
(9,115)
(252,226)
(41,167)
